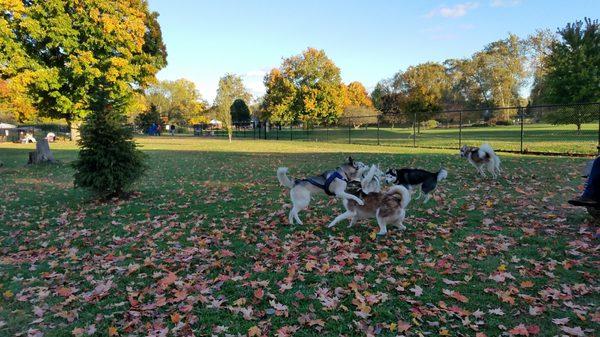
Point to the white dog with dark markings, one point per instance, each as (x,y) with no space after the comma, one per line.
(333,183)
(482,157)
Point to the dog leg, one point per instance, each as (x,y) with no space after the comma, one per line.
(300,200)
(427,197)
(294,215)
(341,217)
(297,217)
(399,224)
(353,221)
(492,169)
(381,223)
(481,171)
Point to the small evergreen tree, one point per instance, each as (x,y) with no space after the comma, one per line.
(108,161)
(240,111)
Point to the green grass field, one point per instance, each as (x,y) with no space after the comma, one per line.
(562,139)
(204,248)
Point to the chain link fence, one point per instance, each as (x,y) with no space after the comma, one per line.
(572,129)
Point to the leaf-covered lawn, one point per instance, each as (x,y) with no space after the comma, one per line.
(204,249)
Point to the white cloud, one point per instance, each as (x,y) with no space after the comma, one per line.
(455,11)
(505,3)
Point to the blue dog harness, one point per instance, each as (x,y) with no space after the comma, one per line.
(325,187)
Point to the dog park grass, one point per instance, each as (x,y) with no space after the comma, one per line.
(204,248)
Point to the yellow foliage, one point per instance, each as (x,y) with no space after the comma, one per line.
(356,95)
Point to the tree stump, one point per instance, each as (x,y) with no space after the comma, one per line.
(42,153)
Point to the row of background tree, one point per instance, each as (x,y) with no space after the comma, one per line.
(307,88)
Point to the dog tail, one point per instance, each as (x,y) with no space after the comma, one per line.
(283,178)
(370,174)
(487,149)
(442,174)
(399,189)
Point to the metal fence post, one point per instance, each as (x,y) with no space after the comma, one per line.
(460,129)
(349,130)
(522,122)
(307,131)
(415,130)
(277,131)
(378,143)
(291,133)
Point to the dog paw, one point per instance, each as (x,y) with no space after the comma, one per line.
(360,202)
(401,227)
(381,234)
(330,225)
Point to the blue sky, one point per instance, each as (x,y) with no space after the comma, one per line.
(368,40)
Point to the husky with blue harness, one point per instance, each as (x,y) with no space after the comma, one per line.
(332,183)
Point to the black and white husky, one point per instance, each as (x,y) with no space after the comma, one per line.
(330,182)
(413,178)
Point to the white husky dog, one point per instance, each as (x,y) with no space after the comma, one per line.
(330,182)
(368,179)
(480,157)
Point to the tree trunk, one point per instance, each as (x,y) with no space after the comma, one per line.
(74,130)
(42,153)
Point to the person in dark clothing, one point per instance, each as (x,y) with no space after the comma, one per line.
(152,129)
(591,194)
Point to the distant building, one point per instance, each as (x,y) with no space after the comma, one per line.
(215,124)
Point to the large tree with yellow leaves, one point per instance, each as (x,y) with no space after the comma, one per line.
(306,88)
(57,51)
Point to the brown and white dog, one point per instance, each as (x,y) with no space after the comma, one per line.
(332,183)
(480,157)
(387,207)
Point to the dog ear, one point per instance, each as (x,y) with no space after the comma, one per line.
(350,160)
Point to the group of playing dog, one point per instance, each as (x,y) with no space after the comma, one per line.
(359,187)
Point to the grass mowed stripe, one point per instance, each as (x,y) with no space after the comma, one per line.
(204,247)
